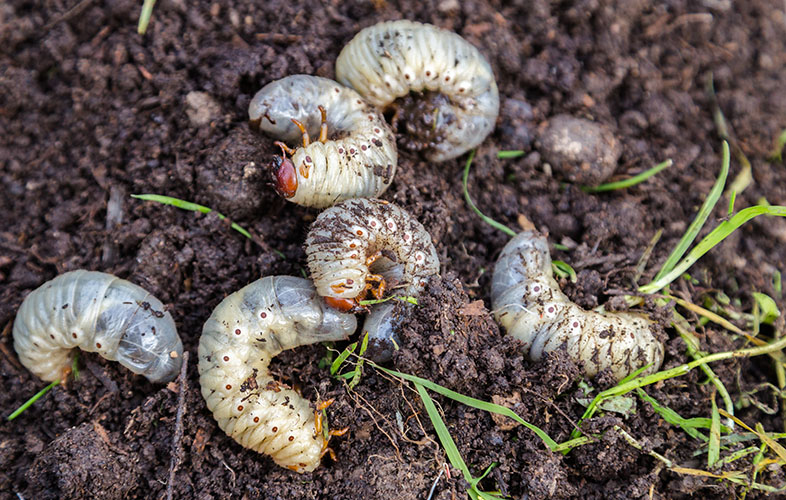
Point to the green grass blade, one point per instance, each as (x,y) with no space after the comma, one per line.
(713,451)
(442,432)
(488,220)
(636,179)
(475,403)
(683,328)
(144,16)
(768,308)
(515,153)
(674,418)
(27,404)
(701,217)
(635,374)
(572,443)
(363,347)
(334,367)
(449,445)
(564,270)
(359,368)
(402,298)
(677,371)
(737,455)
(777,152)
(175,202)
(717,235)
(732,199)
(745,176)
(194,207)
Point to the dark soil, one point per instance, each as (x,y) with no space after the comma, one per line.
(91,112)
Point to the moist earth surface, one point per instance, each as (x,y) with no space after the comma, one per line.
(92,112)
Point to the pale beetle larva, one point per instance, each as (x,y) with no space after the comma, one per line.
(96,312)
(391,59)
(529,304)
(347,239)
(246,330)
(359,157)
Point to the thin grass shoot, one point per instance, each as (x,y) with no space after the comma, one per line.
(777,151)
(564,270)
(632,181)
(144,16)
(474,403)
(488,220)
(625,387)
(27,404)
(449,445)
(700,219)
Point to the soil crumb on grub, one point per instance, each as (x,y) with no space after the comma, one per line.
(420,118)
(233,177)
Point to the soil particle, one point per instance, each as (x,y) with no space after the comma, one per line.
(84,462)
(416,118)
(590,286)
(516,125)
(441,337)
(543,477)
(607,458)
(202,108)
(159,264)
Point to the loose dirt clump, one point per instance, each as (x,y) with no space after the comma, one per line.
(84,462)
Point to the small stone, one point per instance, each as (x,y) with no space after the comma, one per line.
(578,150)
(202,108)
(448,6)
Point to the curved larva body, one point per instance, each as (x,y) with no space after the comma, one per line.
(246,330)
(361,161)
(529,304)
(388,60)
(342,239)
(96,312)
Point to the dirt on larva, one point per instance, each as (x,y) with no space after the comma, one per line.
(91,112)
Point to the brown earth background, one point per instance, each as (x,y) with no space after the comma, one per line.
(91,112)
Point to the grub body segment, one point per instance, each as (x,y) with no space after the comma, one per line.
(96,312)
(358,158)
(360,238)
(243,334)
(530,306)
(389,60)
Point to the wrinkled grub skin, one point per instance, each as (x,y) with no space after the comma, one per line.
(88,105)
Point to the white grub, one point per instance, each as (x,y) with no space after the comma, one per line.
(96,312)
(358,158)
(346,239)
(391,59)
(246,330)
(529,305)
